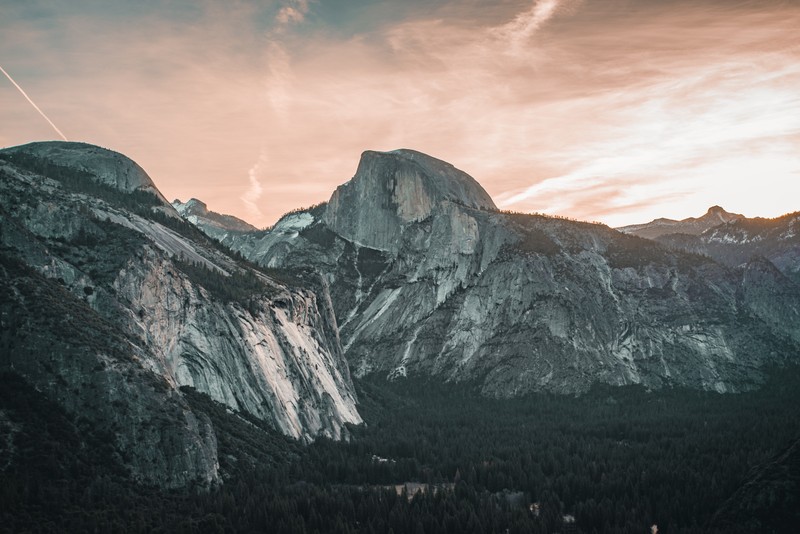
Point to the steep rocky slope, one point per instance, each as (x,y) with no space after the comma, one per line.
(65,350)
(93,221)
(426,276)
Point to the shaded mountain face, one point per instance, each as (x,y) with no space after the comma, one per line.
(214,224)
(177,308)
(737,242)
(427,277)
(731,239)
(84,364)
(715,216)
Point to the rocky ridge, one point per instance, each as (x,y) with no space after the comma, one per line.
(715,216)
(101,165)
(737,242)
(731,239)
(426,276)
(192,314)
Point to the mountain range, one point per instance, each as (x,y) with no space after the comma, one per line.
(732,239)
(112,302)
(427,276)
(657,228)
(113,299)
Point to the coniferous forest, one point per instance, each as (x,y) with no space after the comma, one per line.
(435,458)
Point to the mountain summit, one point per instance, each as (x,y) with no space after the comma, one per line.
(100,164)
(392,190)
(212,223)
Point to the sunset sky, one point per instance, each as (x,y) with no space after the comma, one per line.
(616,111)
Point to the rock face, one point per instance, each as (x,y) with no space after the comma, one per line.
(426,276)
(393,190)
(275,356)
(214,224)
(715,216)
(191,313)
(64,349)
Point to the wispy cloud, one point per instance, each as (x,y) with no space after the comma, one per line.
(519,31)
(295,12)
(277,91)
(253,194)
(706,132)
(612,111)
(616,118)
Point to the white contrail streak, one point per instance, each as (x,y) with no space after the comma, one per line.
(64,137)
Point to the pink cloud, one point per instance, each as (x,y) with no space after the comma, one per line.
(292,14)
(589,111)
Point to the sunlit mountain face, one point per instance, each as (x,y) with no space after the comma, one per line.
(617,111)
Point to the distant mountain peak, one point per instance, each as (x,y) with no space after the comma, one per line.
(213,223)
(192,203)
(714,216)
(719,215)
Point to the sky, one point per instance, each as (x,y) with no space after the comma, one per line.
(617,111)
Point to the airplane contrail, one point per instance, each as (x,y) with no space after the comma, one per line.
(64,137)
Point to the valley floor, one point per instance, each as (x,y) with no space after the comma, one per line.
(613,460)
